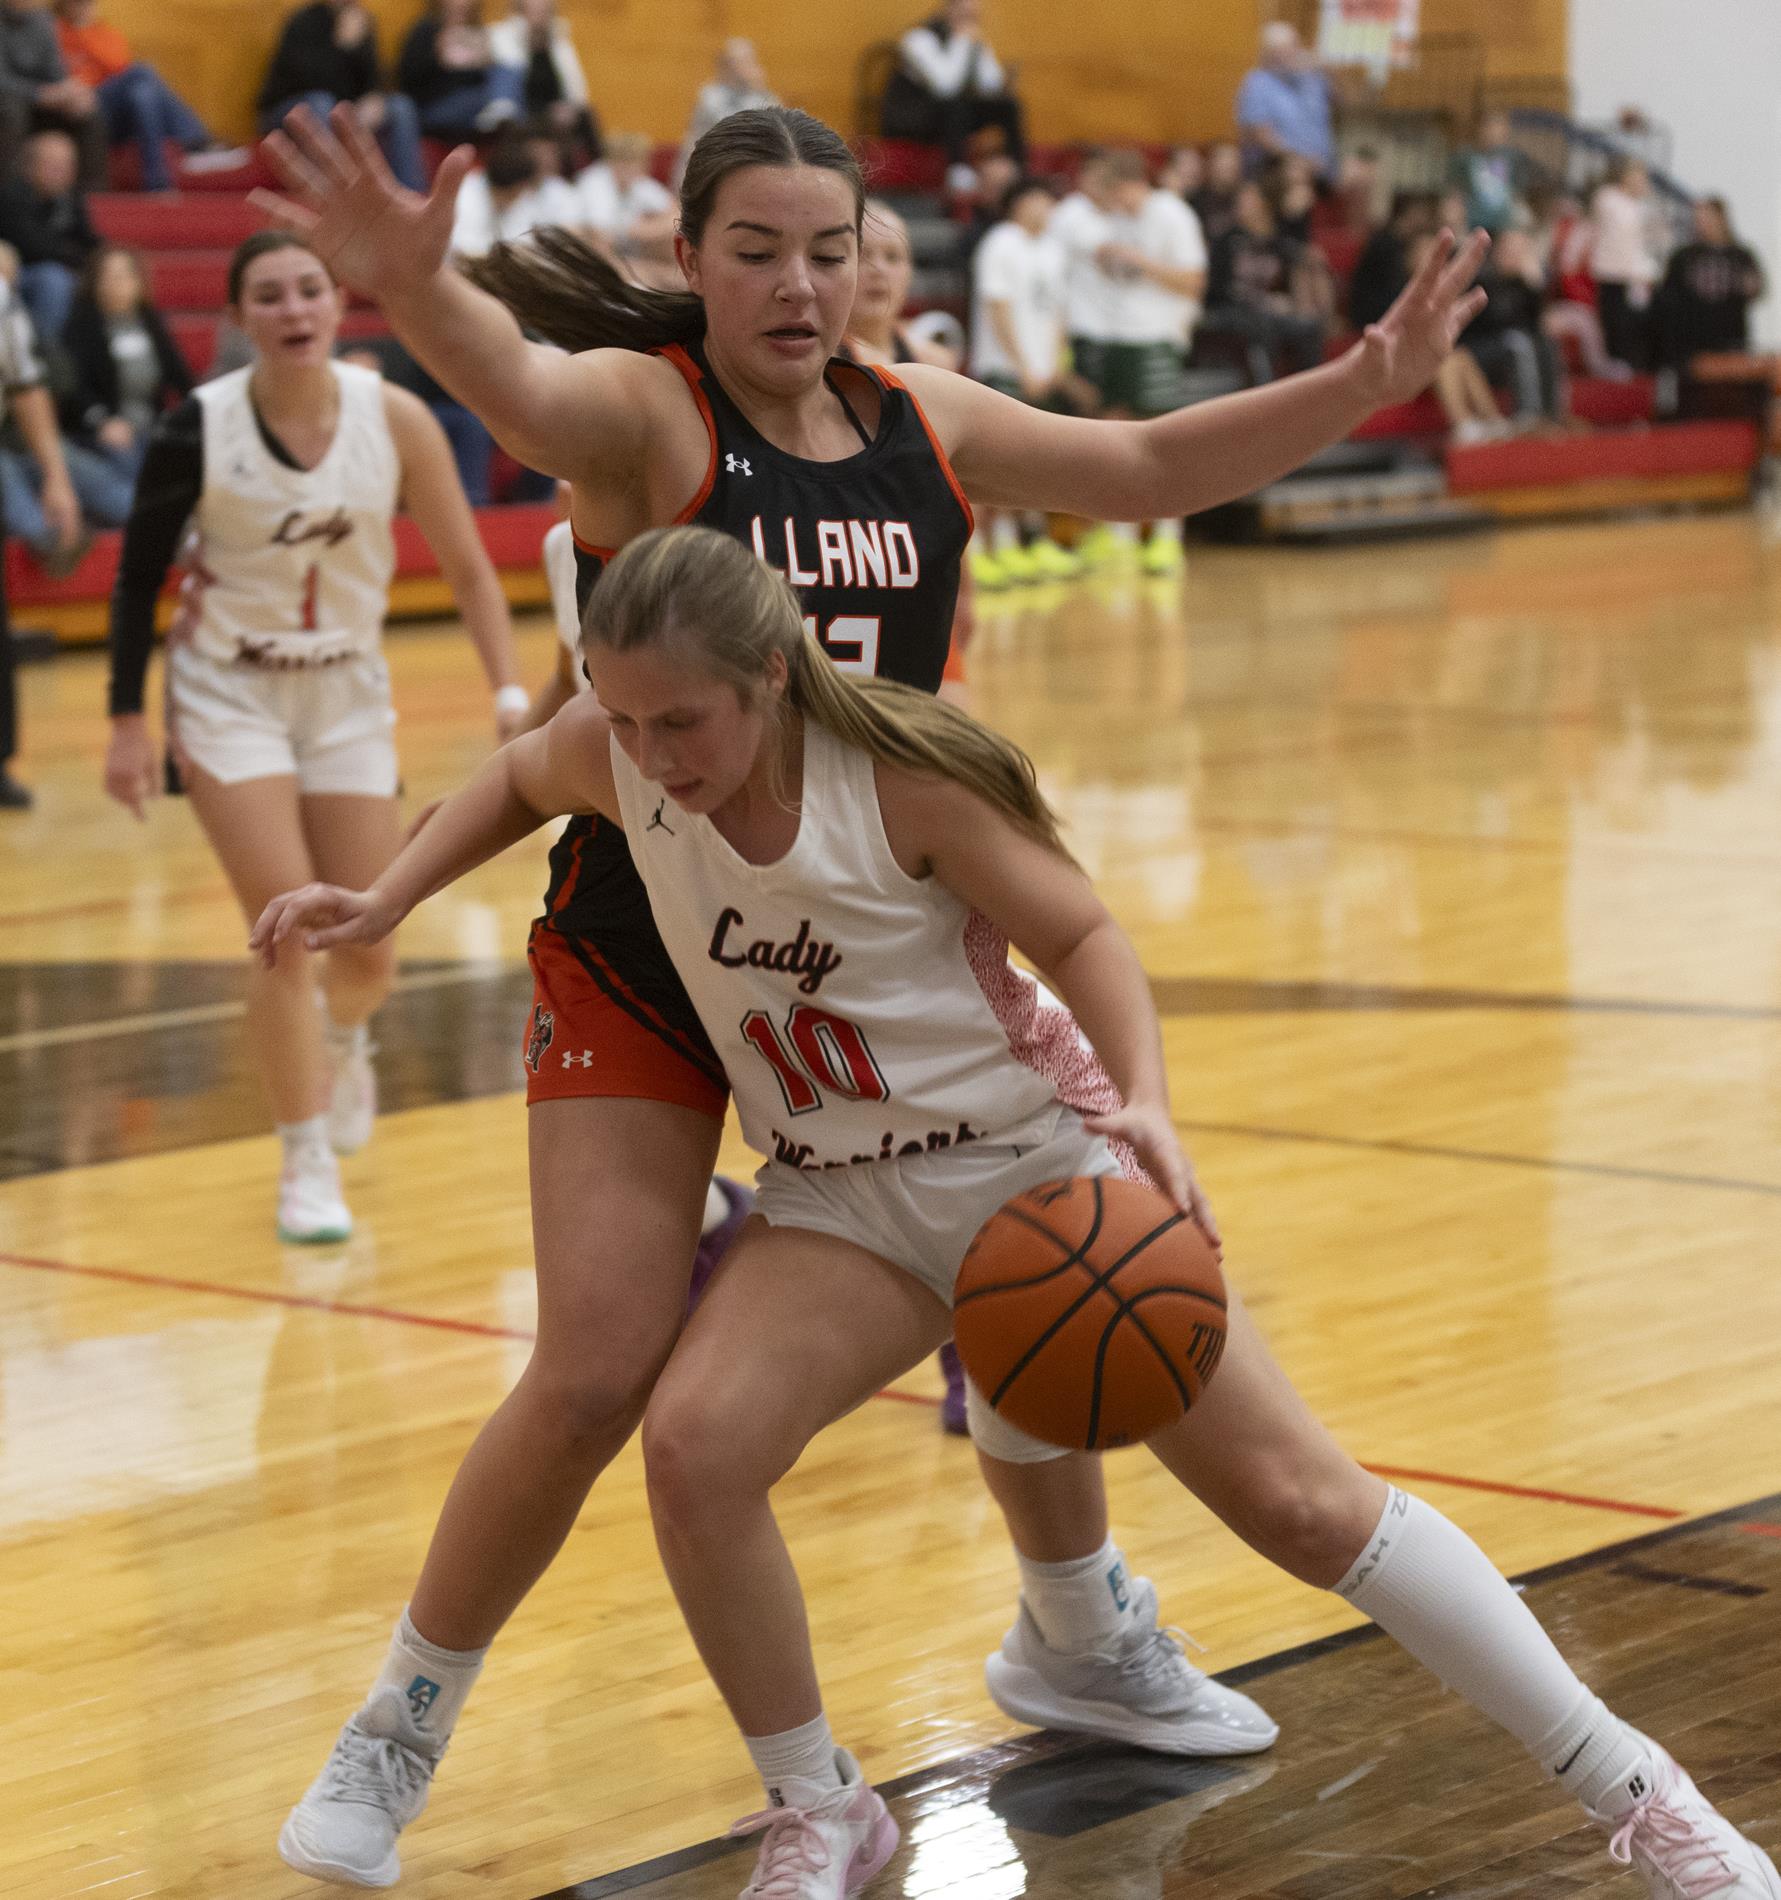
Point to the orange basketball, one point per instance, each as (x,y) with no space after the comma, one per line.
(1090,1313)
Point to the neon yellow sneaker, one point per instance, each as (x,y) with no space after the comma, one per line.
(1052,563)
(990,572)
(1163,554)
(1101,547)
(1020,566)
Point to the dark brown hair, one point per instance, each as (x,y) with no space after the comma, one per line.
(92,269)
(562,289)
(262,244)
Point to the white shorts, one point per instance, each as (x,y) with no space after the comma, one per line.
(921,1212)
(327,726)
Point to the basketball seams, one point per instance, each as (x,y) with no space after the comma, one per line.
(1072,1258)
(1070,1312)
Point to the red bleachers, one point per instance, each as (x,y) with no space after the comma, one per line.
(125,172)
(212,223)
(1549,462)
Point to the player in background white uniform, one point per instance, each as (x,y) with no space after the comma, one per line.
(834,863)
(288,475)
(1153,260)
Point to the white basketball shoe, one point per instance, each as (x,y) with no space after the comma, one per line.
(1144,1691)
(311,1210)
(1682,1846)
(352,1096)
(373,1784)
(821,1844)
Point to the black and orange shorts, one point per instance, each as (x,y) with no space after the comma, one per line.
(590,1033)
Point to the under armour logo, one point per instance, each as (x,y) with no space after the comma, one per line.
(657,823)
(737,465)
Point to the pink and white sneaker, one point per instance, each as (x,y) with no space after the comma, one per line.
(822,1847)
(1683,1847)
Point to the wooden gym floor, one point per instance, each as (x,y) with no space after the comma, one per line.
(1455,865)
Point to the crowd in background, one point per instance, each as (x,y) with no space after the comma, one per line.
(1253,256)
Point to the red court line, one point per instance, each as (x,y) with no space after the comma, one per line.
(1762,1530)
(1528,1491)
(352,1309)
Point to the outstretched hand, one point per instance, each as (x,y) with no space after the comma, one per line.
(1400,354)
(320,916)
(1151,1135)
(374,234)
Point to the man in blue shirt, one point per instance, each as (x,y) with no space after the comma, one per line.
(1284,104)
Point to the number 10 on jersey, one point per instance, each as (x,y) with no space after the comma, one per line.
(817,1051)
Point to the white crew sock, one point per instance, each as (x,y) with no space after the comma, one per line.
(1004,533)
(1083,1605)
(304,1141)
(349,1039)
(1124,533)
(798,1766)
(435,1683)
(1169,530)
(717,1210)
(1428,1586)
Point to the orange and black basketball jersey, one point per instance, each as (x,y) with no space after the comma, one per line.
(872,543)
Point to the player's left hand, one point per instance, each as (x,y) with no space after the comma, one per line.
(1152,1136)
(1399,355)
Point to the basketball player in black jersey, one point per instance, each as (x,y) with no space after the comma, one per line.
(726,406)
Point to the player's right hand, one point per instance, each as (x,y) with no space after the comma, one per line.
(318,916)
(374,234)
(130,764)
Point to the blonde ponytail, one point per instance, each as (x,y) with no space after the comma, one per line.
(702,589)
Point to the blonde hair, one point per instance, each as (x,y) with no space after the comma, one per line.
(706,595)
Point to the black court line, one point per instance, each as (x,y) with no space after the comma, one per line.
(1152,1779)
(1491,1157)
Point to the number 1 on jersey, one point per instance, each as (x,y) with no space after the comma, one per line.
(826,1052)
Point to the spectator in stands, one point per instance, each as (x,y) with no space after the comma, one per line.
(508,196)
(1383,268)
(1080,228)
(626,211)
(1215,202)
(1286,103)
(1491,173)
(738,85)
(1704,304)
(448,68)
(43,216)
(978,205)
(1260,293)
(1291,184)
(1018,347)
(124,368)
(52,499)
(1623,261)
(38,92)
(1508,337)
(1155,261)
(1183,172)
(949,85)
(537,42)
(137,104)
(327,55)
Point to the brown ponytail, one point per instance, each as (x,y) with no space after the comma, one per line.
(563,290)
(661,588)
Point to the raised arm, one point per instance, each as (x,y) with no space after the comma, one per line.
(1007,455)
(563,767)
(433,495)
(572,416)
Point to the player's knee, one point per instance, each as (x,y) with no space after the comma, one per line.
(590,1405)
(1300,1519)
(698,1464)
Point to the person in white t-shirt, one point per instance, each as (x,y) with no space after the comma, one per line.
(626,211)
(1079,227)
(949,86)
(508,198)
(1018,346)
(1624,261)
(1154,263)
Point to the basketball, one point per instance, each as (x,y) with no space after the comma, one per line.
(1090,1313)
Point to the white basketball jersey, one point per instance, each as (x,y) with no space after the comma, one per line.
(294,565)
(860,1013)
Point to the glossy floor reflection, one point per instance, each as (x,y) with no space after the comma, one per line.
(1454,867)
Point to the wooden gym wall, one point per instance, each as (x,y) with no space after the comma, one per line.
(1140,69)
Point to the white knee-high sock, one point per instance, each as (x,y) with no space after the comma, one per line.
(1428,1586)
(435,1683)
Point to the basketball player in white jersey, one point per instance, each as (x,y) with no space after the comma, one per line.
(837,867)
(729,404)
(287,475)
